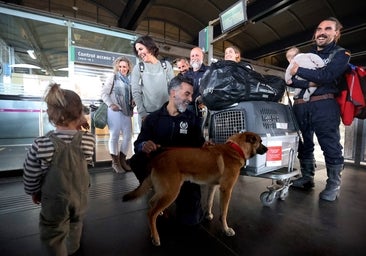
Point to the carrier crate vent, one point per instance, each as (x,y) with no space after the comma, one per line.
(265,118)
(226,124)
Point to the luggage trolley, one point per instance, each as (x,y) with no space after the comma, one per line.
(274,122)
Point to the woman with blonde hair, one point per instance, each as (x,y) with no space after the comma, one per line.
(116,93)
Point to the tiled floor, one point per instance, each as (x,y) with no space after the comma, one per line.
(299,225)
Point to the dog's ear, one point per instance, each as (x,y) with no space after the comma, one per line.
(236,137)
(251,138)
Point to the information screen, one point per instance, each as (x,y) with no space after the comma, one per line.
(233,16)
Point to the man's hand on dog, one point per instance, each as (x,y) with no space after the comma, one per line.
(208,143)
(149,146)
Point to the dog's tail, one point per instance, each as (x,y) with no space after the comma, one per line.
(139,191)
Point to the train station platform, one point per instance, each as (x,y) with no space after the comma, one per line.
(299,225)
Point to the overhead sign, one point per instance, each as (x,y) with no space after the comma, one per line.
(205,38)
(93,57)
(233,16)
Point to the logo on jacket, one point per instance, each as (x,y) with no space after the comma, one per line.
(183,127)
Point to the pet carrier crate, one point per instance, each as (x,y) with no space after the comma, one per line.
(275,123)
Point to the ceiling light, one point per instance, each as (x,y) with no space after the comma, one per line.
(75,8)
(24,66)
(32,54)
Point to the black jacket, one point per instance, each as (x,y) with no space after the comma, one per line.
(183,130)
(325,77)
(196,76)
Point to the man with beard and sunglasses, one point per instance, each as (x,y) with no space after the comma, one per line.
(321,114)
(173,125)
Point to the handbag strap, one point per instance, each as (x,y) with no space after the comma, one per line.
(114,77)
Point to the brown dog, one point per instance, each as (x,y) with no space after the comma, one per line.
(218,164)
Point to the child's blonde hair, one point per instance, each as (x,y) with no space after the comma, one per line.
(63,106)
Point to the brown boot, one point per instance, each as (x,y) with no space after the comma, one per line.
(116,165)
(124,164)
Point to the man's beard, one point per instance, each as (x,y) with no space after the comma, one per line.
(196,64)
(324,42)
(182,106)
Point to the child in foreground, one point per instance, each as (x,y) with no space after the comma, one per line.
(56,172)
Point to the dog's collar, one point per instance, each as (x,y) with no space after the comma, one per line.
(237,148)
